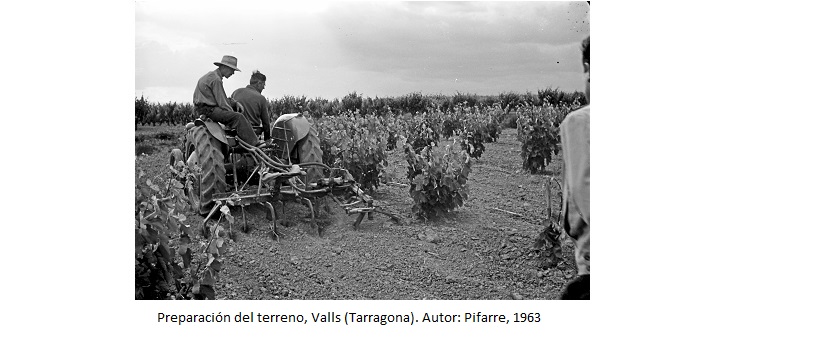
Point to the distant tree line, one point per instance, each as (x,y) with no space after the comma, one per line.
(150,113)
(173,113)
(418,103)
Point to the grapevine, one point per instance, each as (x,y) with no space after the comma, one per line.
(539,134)
(438,178)
(162,237)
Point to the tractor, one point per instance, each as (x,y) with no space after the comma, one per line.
(288,168)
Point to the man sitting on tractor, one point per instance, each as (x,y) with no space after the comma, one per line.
(210,100)
(255,105)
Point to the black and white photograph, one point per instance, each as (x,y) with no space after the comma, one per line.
(362,151)
(406,175)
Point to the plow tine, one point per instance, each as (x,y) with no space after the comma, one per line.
(270,215)
(273,218)
(311,210)
(274,232)
(243,214)
(359,220)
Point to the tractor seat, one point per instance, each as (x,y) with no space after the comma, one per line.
(230,133)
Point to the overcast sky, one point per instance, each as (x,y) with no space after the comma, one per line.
(383,48)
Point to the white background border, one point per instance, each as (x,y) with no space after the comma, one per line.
(702,193)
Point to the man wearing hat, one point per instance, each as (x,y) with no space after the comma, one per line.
(210,99)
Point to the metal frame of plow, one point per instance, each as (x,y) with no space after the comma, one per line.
(278,181)
(360,203)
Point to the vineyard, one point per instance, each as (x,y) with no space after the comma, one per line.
(471,182)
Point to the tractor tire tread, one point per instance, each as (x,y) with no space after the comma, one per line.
(309,151)
(213,171)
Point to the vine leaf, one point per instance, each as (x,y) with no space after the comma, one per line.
(216,265)
(213,248)
(227,214)
(209,279)
(207,291)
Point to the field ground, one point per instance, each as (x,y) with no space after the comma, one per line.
(479,251)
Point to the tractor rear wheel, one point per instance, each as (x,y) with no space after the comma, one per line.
(308,150)
(211,179)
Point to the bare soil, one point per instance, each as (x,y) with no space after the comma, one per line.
(479,251)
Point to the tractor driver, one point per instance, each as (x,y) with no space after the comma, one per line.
(210,100)
(255,105)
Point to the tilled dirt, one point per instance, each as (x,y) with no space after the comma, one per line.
(479,251)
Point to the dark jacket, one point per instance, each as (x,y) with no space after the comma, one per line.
(256,108)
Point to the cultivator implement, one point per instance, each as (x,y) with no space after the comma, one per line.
(273,181)
(287,168)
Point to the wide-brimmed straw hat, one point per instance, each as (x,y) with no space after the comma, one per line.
(229,61)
